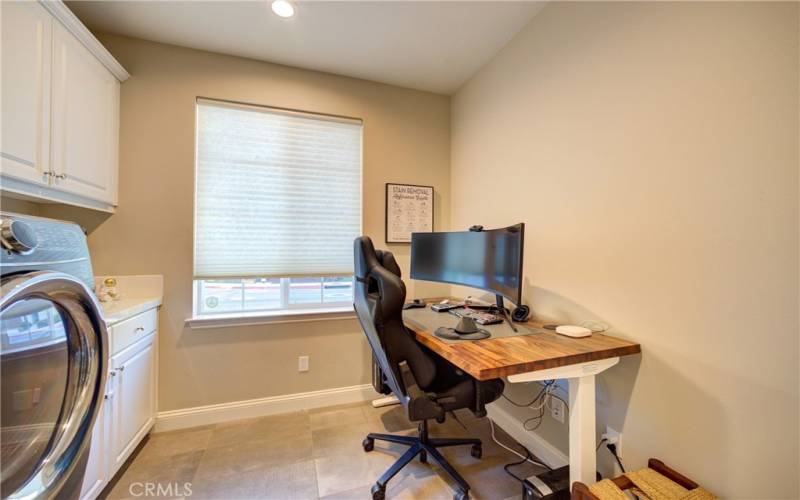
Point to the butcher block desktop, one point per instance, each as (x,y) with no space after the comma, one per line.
(501,357)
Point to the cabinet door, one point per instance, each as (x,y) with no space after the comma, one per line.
(27,31)
(85,121)
(97,467)
(134,398)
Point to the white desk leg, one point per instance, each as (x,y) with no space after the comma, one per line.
(582,458)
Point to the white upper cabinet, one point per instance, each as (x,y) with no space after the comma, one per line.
(27,31)
(60,108)
(85,123)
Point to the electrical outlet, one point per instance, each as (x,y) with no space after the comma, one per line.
(557,409)
(302,364)
(613,437)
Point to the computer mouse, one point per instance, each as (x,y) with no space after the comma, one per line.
(573,331)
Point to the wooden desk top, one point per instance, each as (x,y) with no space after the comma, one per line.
(500,357)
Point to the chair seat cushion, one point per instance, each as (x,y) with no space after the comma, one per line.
(456,389)
(462,395)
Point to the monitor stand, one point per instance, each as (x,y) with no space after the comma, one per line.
(502,308)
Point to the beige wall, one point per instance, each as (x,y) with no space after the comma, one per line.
(652,151)
(406,139)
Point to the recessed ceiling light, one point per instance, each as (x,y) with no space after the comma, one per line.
(283,8)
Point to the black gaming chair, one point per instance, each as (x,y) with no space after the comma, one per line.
(427,385)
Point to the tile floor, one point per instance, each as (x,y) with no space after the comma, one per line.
(313,454)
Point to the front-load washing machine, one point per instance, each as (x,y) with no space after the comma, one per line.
(53,357)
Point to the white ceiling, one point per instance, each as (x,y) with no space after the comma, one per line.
(434,46)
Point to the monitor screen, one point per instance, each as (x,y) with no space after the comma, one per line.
(490,260)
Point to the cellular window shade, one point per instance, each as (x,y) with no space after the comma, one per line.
(278,193)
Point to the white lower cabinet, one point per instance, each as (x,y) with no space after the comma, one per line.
(98,465)
(134,398)
(130,402)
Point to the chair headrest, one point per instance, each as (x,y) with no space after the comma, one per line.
(367,258)
(386,259)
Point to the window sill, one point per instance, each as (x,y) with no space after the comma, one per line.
(270,317)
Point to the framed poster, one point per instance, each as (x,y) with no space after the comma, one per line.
(409,209)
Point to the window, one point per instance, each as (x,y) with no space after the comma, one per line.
(265,294)
(277,207)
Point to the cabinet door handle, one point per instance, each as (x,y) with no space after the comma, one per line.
(121,369)
(62,176)
(113,373)
(139,329)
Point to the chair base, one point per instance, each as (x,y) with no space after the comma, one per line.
(425,447)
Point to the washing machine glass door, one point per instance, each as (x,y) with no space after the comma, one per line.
(52,365)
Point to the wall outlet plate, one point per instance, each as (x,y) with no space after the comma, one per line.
(613,437)
(302,364)
(557,410)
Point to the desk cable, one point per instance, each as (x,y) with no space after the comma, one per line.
(543,398)
(528,457)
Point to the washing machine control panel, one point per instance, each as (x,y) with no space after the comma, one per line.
(18,236)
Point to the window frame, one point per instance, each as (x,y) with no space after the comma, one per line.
(199,312)
(302,312)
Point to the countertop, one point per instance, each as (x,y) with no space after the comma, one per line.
(119,310)
(137,294)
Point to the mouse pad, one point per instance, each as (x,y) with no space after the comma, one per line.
(431,321)
(451,334)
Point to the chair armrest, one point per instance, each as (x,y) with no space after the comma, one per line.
(479,410)
(421,405)
(409,382)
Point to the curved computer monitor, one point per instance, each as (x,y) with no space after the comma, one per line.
(490,260)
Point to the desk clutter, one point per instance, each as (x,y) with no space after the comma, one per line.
(467,327)
(472,312)
(444,326)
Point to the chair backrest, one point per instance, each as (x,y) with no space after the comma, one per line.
(378,302)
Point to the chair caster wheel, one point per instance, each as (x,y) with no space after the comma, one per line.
(378,492)
(368,444)
(476,451)
(461,495)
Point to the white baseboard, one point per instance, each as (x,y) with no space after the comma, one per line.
(543,450)
(213,414)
